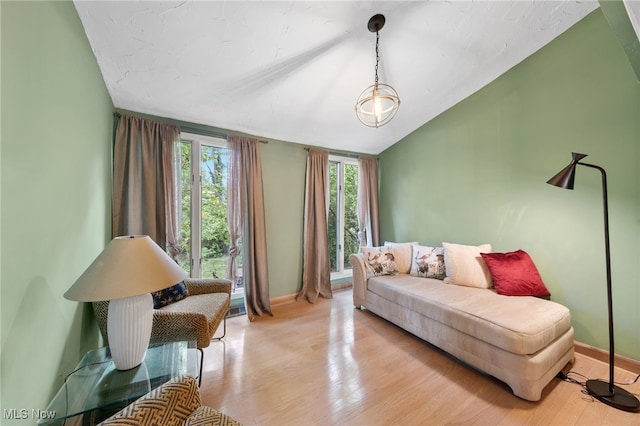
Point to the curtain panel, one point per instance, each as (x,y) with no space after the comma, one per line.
(316,270)
(143,181)
(246,217)
(368,202)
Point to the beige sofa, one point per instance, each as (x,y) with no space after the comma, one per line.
(522,341)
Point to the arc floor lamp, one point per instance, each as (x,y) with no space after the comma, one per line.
(606,392)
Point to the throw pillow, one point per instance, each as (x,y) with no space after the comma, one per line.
(464,265)
(515,274)
(169,295)
(402,253)
(379,260)
(428,262)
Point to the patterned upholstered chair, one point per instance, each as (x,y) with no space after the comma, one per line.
(176,402)
(195,317)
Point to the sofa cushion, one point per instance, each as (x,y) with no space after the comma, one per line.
(402,253)
(169,295)
(521,325)
(207,304)
(379,260)
(428,262)
(193,318)
(464,265)
(515,274)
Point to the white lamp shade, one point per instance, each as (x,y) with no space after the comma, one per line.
(128,266)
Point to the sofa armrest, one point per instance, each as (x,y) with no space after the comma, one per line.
(359,278)
(208,285)
(169,404)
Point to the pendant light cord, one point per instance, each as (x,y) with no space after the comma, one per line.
(377,56)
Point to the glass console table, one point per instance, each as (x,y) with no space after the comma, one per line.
(96,389)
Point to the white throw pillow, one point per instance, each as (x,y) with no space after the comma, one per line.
(428,262)
(402,253)
(379,260)
(465,266)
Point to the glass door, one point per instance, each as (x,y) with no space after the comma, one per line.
(202,197)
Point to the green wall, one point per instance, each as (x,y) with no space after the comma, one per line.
(55,196)
(283,173)
(477,173)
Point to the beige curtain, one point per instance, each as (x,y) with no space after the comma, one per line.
(316,280)
(368,202)
(235,207)
(143,175)
(246,217)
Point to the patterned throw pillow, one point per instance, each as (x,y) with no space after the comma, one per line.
(379,260)
(402,254)
(428,262)
(169,295)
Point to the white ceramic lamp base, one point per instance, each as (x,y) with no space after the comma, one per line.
(129,325)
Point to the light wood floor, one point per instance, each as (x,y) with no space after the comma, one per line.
(330,364)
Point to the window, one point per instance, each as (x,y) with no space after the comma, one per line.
(343,213)
(202,198)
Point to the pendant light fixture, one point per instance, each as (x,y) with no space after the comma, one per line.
(378,103)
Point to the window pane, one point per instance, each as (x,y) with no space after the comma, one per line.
(351,243)
(333,215)
(184,193)
(215,235)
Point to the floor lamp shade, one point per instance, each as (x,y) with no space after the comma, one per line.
(603,391)
(566,177)
(125,273)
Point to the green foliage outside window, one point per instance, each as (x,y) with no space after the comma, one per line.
(351,243)
(215,234)
(184,256)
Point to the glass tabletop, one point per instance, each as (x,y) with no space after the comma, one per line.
(96,385)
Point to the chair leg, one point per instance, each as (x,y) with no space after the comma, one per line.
(224,333)
(201,364)
(224,328)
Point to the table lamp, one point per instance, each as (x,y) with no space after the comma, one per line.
(125,273)
(603,391)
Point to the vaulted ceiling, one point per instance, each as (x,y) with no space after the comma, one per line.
(292,70)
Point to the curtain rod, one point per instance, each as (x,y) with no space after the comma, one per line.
(211,133)
(340,154)
(198,131)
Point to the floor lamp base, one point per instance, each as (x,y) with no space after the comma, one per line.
(621,399)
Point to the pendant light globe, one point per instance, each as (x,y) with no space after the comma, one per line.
(377,105)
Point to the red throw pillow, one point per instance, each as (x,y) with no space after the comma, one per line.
(515,274)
